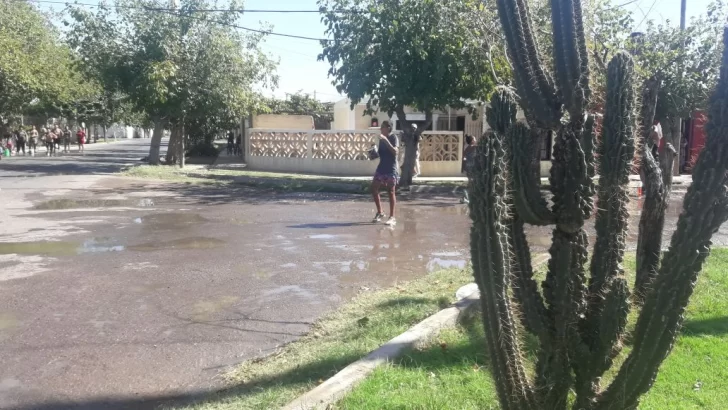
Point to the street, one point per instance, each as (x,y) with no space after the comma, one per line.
(124,293)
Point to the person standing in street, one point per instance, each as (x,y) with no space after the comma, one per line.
(57,140)
(20,140)
(33,141)
(80,139)
(67,139)
(50,142)
(386,174)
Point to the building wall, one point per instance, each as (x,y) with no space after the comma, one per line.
(342,116)
(283,121)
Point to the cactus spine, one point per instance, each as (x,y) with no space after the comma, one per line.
(579,318)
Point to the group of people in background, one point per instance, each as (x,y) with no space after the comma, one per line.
(234,145)
(53,138)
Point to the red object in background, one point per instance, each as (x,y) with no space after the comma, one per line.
(696,137)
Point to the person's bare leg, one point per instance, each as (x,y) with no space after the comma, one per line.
(376,196)
(392,201)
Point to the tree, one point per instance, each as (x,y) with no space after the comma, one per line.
(579,318)
(423,54)
(37,70)
(300,103)
(177,66)
(686,63)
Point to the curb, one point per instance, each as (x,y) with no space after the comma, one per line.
(335,388)
(323,396)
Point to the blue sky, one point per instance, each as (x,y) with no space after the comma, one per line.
(299,70)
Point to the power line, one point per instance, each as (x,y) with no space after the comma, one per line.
(341,11)
(647,14)
(175,12)
(246,28)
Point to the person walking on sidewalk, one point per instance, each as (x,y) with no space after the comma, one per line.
(386,173)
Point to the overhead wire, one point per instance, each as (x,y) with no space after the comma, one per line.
(243,11)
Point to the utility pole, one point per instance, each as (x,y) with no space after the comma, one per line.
(683,11)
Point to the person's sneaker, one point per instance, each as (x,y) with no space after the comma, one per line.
(391,221)
(378,217)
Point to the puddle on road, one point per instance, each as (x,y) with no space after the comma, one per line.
(103,245)
(7,321)
(436,264)
(172,220)
(202,310)
(197,242)
(45,248)
(68,203)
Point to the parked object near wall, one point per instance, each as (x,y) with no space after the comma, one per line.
(344,152)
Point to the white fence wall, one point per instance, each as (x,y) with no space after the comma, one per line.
(345,153)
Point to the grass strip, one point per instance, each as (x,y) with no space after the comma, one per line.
(337,340)
(452,373)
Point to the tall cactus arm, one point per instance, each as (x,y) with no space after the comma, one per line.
(570,55)
(564,290)
(570,182)
(607,301)
(652,219)
(705,209)
(491,267)
(587,141)
(502,111)
(616,155)
(524,152)
(525,288)
(535,85)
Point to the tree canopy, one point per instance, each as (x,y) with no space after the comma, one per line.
(424,54)
(36,67)
(421,53)
(174,65)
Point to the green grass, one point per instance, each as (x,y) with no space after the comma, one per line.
(456,376)
(346,335)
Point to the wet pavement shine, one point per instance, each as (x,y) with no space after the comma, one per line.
(124,293)
(125,290)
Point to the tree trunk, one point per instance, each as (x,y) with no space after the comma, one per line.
(182,146)
(172,146)
(156,141)
(105,133)
(669,152)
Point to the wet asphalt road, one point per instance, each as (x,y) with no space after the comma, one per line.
(98,158)
(117,292)
(123,293)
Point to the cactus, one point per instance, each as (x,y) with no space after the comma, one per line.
(579,317)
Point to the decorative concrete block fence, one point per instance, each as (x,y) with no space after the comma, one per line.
(345,153)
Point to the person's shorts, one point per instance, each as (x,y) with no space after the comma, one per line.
(387,180)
